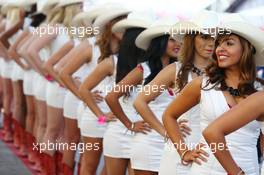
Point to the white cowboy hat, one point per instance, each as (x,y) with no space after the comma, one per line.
(159,28)
(251,33)
(108,16)
(88,17)
(63,3)
(25,4)
(133,20)
(47,5)
(205,22)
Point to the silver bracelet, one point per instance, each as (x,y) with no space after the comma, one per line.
(240,172)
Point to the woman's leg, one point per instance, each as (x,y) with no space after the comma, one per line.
(30,118)
(7,100)
(54,124)
(71,135)
(142,172)
(116,166)
(42,118)
(91,158)
(19,116)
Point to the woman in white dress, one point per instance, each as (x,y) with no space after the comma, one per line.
(72,71)
(48,92)
(225,85)
(101,79)
(117,138)
(248,110)
(194,55)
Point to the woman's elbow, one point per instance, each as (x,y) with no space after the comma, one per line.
(210,132)
(62,75)
(111,98)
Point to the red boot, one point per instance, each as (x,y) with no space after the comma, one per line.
(51,164)
(30,140)
(59,167)
(7,125)
(23,151)
(16,133)
(67,170)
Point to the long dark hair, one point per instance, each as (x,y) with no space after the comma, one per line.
(186,55)
(246,66)
(129,55)
(154,54)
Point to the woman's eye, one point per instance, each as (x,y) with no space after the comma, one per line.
(229,43)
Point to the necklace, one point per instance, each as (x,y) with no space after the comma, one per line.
(233,92)
(197,71)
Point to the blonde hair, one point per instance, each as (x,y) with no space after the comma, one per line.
(13,15)
(55,16)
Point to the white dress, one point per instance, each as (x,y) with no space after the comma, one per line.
(89,124)
(28,77)
(170,154)
(55,93)
(147,149)
(72,102)
(262,130)
(18,72)
(241,143)
(41,83)
(117,137)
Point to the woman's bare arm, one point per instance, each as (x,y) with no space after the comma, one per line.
(34,48)
(160,83)
(55,58)
(78,56)
(102,70)
(246,111)
(134,78)
(185,100)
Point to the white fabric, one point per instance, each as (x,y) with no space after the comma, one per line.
(28,83)
(1,65)
(170,153)
(70,105)
(147,148)
(7,69)
(71,101)
(117,137)
(55,93)
(241,143)
(17,73)
(40,82)
(89,125)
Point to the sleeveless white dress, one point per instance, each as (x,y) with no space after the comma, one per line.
(89,124)
(18,72)
(117,138)
(8,64)
(41,83)
(171,162)
(241,143)
(71,102)
(28,77)
(55,93)
(147,148)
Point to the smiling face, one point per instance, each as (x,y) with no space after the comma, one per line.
(229,51)
(173,48)
(204,45)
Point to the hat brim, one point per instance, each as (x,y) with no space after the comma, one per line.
(123,25)
(88,17)
(103,19)
(186,27)
(252,34)
(144,39)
